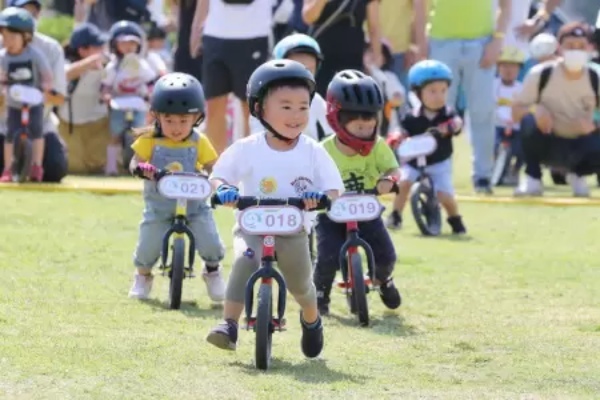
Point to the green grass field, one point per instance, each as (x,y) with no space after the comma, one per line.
(510,312)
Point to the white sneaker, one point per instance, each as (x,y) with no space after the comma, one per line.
(529,186)
(142,286)
(578,185)
(215,284)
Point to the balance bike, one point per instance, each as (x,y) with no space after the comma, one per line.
(129,105)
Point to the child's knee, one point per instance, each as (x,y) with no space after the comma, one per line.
(242,269)
(212,251)
(304,292)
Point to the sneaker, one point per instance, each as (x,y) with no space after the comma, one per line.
(456,223)
(390,296)
(394,220)
(142,286)
(483,186)
(36,174)
(215,284)
(224,335)
(6,176)
(312,338)
(323,302)
(529,186)
(578,185)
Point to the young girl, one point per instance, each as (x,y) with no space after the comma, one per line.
(23,64)
(83,119)
(306,51)
(354,101)
(177,105)
(430,81)
(128,74)
(280,163)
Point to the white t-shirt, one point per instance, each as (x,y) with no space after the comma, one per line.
(504,98)
(318,115)
(232,21)
(130,76)
(258,170)
(85,100)
(156,62)
(519,13)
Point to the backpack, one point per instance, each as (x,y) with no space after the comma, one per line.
(547,72)
(129,10)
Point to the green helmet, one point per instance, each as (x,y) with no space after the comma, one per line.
(17,19)
(177,93)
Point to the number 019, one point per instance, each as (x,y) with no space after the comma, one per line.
(361,208)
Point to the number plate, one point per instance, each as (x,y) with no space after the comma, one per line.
(184,187)
(355,207)
(133,103)
(25,94)
(417,146)
(271,220)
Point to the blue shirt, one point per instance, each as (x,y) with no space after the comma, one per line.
(296,21)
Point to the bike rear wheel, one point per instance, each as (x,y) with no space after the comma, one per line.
(177,273)
(264,327)
(22,155)
(359,289)
(501,164)
(426,209)
(127,152)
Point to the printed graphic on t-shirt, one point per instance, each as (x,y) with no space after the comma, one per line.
(20,72)
(301,184)
(353,182)
(268,185)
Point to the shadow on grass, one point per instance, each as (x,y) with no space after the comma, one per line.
(390,324)
(446,236)
(188,308)
(309,371)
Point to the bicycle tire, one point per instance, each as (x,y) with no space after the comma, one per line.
(22,154)
(177,274)
(501,164)
(359,289)
(264,327)
(425,209)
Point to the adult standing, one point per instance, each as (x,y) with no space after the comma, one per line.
(55,159)
(184,62)
(233,36)
(338,27)
(464,35)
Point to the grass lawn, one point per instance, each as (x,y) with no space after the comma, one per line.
(511,312)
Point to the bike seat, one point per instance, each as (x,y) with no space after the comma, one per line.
(417,146)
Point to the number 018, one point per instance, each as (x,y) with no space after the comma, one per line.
(281,220)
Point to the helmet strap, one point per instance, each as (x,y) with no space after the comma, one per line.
(276,134)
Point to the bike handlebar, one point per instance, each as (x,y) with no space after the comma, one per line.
(161,173)
(244,202)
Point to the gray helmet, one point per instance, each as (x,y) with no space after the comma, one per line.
(178,93)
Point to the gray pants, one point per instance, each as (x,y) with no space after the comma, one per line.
(154,226)
(293,259)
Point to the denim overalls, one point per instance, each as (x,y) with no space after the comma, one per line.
(159,212)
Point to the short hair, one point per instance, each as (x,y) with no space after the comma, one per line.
(574,29)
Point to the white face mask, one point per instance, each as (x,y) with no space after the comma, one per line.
(575,60)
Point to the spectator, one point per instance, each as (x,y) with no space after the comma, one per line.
(55,158)
(183,61)
(471,48)
(556,109)
(397,22)
(523,28)
(233,36)
(104,13)
(83,119)
(296,22)
(338,27)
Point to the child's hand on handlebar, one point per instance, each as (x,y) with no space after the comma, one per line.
(311,199)
(147,171)
(228,195)
(386,185)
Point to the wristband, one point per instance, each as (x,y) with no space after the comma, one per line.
(499,35)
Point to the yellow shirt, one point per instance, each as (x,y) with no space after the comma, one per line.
(144,145)
(396,18)
(462,19)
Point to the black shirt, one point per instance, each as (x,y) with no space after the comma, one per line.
(416,123)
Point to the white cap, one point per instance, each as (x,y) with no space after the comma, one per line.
(128,38)
(543,45)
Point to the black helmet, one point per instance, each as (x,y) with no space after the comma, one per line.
(351,90)
(177,93)
(274,71)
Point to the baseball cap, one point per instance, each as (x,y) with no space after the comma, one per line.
(87,34)
(574,29)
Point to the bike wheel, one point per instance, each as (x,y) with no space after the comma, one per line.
(359,290)
(501,164)
(177,273)
(22,154)
(426,209)
(264,327)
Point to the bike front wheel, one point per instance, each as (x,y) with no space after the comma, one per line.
(22,154)
(177,273)
(359,289)
(264,327)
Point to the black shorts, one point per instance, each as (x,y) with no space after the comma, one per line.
(14,127)
(228,63)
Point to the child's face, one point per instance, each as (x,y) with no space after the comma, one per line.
(434,94)
(508,71)
(177,127)
(156,44)
(286,109)
(127,46)
(362,127)
(14,42)
(308,60)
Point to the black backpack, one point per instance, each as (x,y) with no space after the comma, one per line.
(547,72)
(128,10)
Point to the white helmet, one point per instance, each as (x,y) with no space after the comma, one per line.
(543,45)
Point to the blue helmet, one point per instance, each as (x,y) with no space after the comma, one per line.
(297,43)
(17,19)
(427,71)
(23,3)
(125,28)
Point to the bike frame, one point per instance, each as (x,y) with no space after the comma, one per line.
(351,245)
(266,273)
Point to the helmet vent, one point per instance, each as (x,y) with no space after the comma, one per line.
(346,94)
(184,84)
(170,102)
(357,93)
(184,103)
(370,97)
